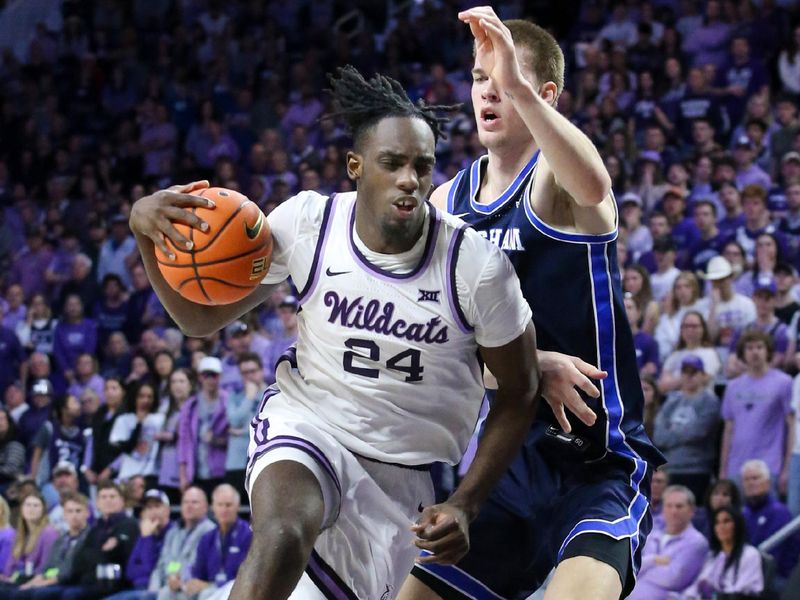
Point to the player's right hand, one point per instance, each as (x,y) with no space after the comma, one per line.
(561,374)
(442,530)
(153,216)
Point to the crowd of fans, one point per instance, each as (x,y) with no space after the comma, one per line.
(111,416)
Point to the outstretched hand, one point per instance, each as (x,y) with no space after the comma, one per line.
(494,47)
(153,216)
(561,374)
(442,530)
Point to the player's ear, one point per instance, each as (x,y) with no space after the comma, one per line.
(354,165)
(549,93)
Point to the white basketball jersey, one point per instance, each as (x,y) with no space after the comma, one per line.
(387,362)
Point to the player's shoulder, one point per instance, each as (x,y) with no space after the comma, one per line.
(439,196)
(309,206)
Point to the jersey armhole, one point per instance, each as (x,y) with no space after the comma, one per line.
(450,205)
(319,250)
(453,251)
(567,236)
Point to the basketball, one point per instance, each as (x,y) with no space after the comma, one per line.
(226,262)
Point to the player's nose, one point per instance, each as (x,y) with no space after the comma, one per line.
(407,180)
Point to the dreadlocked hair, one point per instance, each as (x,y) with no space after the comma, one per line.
(362,103)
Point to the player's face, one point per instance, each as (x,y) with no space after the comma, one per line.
(498,122)
(394,173)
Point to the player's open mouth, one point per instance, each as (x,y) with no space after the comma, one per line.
(405,205)
(489,116)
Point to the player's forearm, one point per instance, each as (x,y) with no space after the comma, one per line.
(509,420)
(573,158)
(194,320)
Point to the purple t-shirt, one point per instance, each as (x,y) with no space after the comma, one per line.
(758,409)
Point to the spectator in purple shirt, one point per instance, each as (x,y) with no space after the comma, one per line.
(672,557)
(203,431)
(111,310)
(29,266)
(74,335)
(158,141)
(59,271)
(224,548)
(757,221)
(154,524)
(747,172)
(756,402)
(34,538)
(765,514)
(710,241)
(14,309)
(86,377)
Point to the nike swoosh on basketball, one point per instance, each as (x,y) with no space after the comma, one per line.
(330,273)
(252,232)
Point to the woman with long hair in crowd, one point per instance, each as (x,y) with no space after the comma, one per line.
(34,538)
(722,493)
(181,388)
(134,434)
(7,532)
(694,339)
(103,452)
(37,331)
(163,365)
(733,566)
(637,281)
(683,298)
(652,403)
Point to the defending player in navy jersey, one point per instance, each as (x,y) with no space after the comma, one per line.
(576,497)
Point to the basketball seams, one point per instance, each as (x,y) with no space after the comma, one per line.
(200,278)
(214,262)
(194,262)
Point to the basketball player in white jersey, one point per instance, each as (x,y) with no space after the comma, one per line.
(397,302)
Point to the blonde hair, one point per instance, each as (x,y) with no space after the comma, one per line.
(27,536)
(5,513)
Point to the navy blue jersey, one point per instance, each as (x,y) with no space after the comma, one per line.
(572,284)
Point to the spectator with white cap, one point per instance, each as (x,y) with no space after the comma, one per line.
(65,482)
(688,419)
(725,310)
(203,430)
(37,415)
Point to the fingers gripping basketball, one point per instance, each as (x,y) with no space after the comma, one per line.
(228,260)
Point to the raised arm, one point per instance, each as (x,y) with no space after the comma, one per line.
(570,155)
(443,528)
(151,221)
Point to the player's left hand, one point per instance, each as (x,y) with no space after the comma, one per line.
(494,47)
(442,530)
(561,374)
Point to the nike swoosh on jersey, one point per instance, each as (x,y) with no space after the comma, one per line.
(252,232)
(461,215)
(330,273)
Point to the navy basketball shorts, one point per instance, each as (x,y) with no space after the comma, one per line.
(549,507)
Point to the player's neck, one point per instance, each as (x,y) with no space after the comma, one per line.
(503,167)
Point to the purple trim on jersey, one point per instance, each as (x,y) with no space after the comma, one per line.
(451,193)
(452,292)
(319,251)
(427,255)
(289,355)
(291,441)
(509,193)
(327,580)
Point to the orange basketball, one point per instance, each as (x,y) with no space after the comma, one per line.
(227,261)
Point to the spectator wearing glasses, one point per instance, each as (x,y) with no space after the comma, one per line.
(241,409)
(203,431)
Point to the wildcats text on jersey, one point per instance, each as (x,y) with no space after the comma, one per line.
(378,317)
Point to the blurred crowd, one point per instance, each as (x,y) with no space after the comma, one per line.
(113,421)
